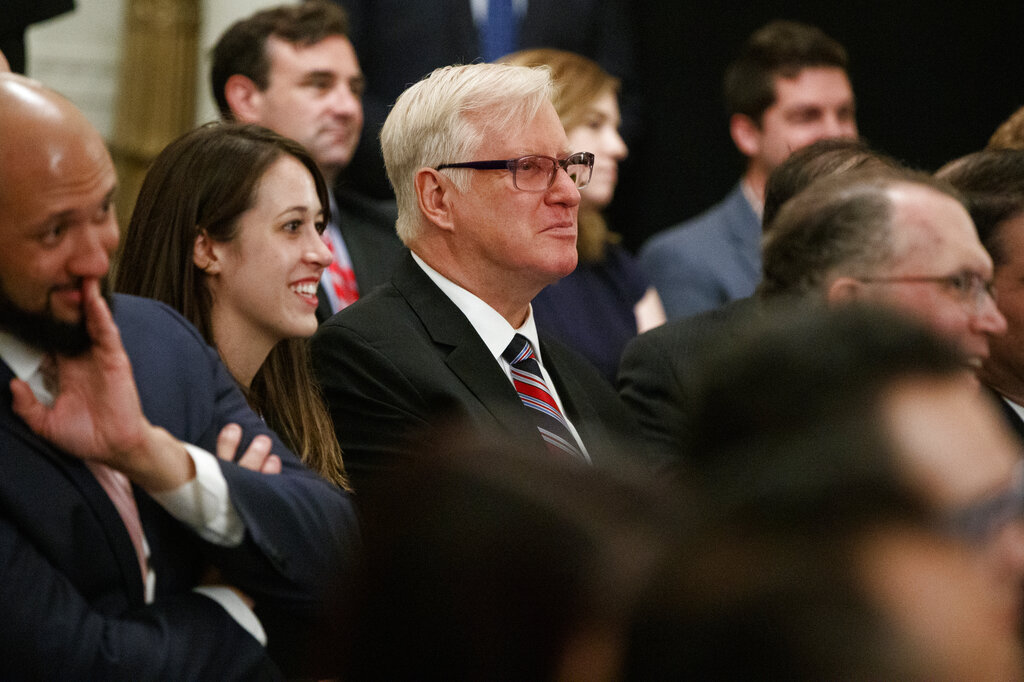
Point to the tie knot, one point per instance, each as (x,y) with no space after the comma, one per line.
(518,349)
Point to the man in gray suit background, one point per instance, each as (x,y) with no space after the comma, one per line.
(787,89)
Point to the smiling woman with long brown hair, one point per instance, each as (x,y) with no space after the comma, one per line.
(226,230)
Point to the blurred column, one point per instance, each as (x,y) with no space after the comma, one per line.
(156,92)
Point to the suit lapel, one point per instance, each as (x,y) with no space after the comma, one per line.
(744,231)
(92,492)
(466,354)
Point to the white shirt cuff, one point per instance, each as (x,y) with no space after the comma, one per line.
(204,503)
(237,609)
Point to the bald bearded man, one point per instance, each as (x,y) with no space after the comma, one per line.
(112,507)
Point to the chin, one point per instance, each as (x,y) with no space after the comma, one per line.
(567,264)
(299,329)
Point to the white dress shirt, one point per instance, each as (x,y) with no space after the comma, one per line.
(497,333)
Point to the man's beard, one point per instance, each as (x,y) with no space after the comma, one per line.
(42,330)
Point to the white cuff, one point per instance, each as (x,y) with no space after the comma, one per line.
(237,609)
(204,503)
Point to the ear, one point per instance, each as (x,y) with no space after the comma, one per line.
(204,254)
(746,134)
(844,290)
(434,192)
(244,98)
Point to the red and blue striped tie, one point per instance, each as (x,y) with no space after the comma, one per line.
(529,384)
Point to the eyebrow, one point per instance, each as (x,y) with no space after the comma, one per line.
(108,198)
(319,73)
(299,208)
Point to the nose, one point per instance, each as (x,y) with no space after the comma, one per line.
(836,125)
(617,148)
(317,251)
(987,319)
(563,190)
(93,248)
(344,102)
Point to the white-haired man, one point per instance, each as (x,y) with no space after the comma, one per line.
(487,192)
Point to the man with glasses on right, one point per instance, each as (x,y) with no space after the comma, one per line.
(487,190)
(883,237)
(993,183)
(899,240)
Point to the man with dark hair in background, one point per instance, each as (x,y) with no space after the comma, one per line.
(786,89)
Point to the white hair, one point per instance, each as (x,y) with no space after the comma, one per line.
(445,117)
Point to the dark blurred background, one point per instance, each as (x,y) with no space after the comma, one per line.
(932,81)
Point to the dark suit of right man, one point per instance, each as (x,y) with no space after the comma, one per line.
(660,374)
(405,359)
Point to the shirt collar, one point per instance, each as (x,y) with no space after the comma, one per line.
(23,359)
(751,196)
(490,326)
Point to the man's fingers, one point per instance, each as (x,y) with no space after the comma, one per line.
(256,454)
(227,442)
(272,465)
(98,320)
(257,457)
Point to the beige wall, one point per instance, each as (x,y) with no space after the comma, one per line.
(79,54)
(217,16)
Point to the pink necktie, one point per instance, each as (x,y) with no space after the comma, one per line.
(115,484)
(119,490)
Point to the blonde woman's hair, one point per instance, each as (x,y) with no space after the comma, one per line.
(578,82)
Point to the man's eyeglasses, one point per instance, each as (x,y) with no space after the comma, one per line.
(536,173)
(967,287)
(979,522)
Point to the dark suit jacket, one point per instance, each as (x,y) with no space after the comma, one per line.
(69,581)
(368,228)
(660,374)
(400,41)
(405,358)
(1010,415)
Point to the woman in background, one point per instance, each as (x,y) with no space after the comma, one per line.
(226,230)
(606,301)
